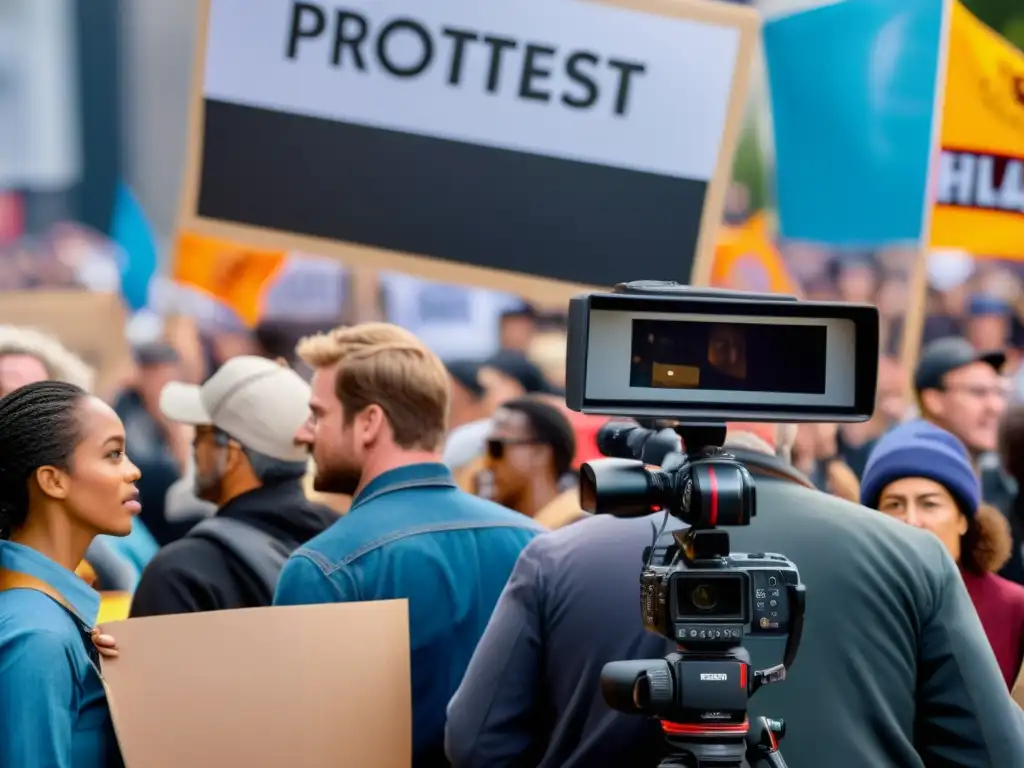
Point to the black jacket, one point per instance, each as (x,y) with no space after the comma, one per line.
(195,574)
(1000,490)
(894,670)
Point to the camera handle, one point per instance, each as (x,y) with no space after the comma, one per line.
(776,674)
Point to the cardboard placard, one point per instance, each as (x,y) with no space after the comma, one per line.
(536,147)
(92,325)
(312,686)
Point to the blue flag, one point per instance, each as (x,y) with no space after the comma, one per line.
(853,95)
(131,230)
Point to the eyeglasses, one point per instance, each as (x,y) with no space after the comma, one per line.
(496,446)
(219,437)
(980,391)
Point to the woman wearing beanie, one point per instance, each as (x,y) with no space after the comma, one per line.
(922,475)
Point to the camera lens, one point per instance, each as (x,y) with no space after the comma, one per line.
(703,597)
(706,596)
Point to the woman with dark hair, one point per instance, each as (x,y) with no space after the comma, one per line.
(64,479)
(922,475)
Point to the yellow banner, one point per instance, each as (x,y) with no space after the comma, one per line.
(980,197)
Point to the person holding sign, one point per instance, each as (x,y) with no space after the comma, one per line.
(64,479)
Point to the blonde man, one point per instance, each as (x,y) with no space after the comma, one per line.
(379,412)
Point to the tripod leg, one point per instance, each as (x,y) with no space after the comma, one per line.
(763,743)
(766,760)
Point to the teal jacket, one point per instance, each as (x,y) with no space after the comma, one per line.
(53,708)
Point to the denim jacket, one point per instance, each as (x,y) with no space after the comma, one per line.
(412,533)
(53,708)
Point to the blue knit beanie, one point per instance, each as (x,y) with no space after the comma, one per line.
(920,449)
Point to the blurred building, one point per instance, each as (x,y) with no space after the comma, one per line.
(94,93)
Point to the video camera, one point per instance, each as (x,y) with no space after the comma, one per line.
(683,361)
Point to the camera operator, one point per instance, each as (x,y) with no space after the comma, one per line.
(887,673)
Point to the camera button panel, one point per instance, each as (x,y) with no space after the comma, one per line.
(704,633)
(771,602)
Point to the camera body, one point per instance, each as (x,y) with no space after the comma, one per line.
(708,606)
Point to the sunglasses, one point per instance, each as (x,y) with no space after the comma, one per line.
(496,447)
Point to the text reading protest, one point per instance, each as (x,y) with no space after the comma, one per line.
(406,48)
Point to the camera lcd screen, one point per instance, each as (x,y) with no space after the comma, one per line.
(721,360)
(738,357)
(705,598)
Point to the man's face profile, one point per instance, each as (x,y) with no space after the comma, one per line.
(727,350)
(330,438)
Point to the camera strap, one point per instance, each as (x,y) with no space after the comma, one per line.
(19,580)
(770,466)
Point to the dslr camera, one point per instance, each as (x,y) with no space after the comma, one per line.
(682,362)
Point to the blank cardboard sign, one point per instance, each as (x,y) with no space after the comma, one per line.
(312,686)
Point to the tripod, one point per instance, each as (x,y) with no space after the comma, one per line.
(753,743)
(696,592)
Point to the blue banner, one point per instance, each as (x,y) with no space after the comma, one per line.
(131,230)
(853,92)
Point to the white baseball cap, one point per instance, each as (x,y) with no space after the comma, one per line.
(259,403)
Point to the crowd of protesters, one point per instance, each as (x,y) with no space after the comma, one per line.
(241,464)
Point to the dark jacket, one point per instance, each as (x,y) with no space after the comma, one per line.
(411,533)
(999,490)
(195,574)
(894,669)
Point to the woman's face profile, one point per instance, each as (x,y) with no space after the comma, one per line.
(101,493)
(926,504)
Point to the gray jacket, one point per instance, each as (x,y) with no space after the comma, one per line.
(894,668)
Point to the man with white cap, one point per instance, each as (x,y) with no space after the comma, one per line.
(248,465)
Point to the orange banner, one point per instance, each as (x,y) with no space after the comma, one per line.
(746,259)
(235,274)
(980,196)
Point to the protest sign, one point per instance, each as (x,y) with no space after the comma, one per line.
(918,134)
(313,686)
(507,145)
(859,172)
(853,89)
(92,325)
(979,203)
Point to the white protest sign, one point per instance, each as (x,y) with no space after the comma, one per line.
(491,143)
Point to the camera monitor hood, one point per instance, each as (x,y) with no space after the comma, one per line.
(665,350)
